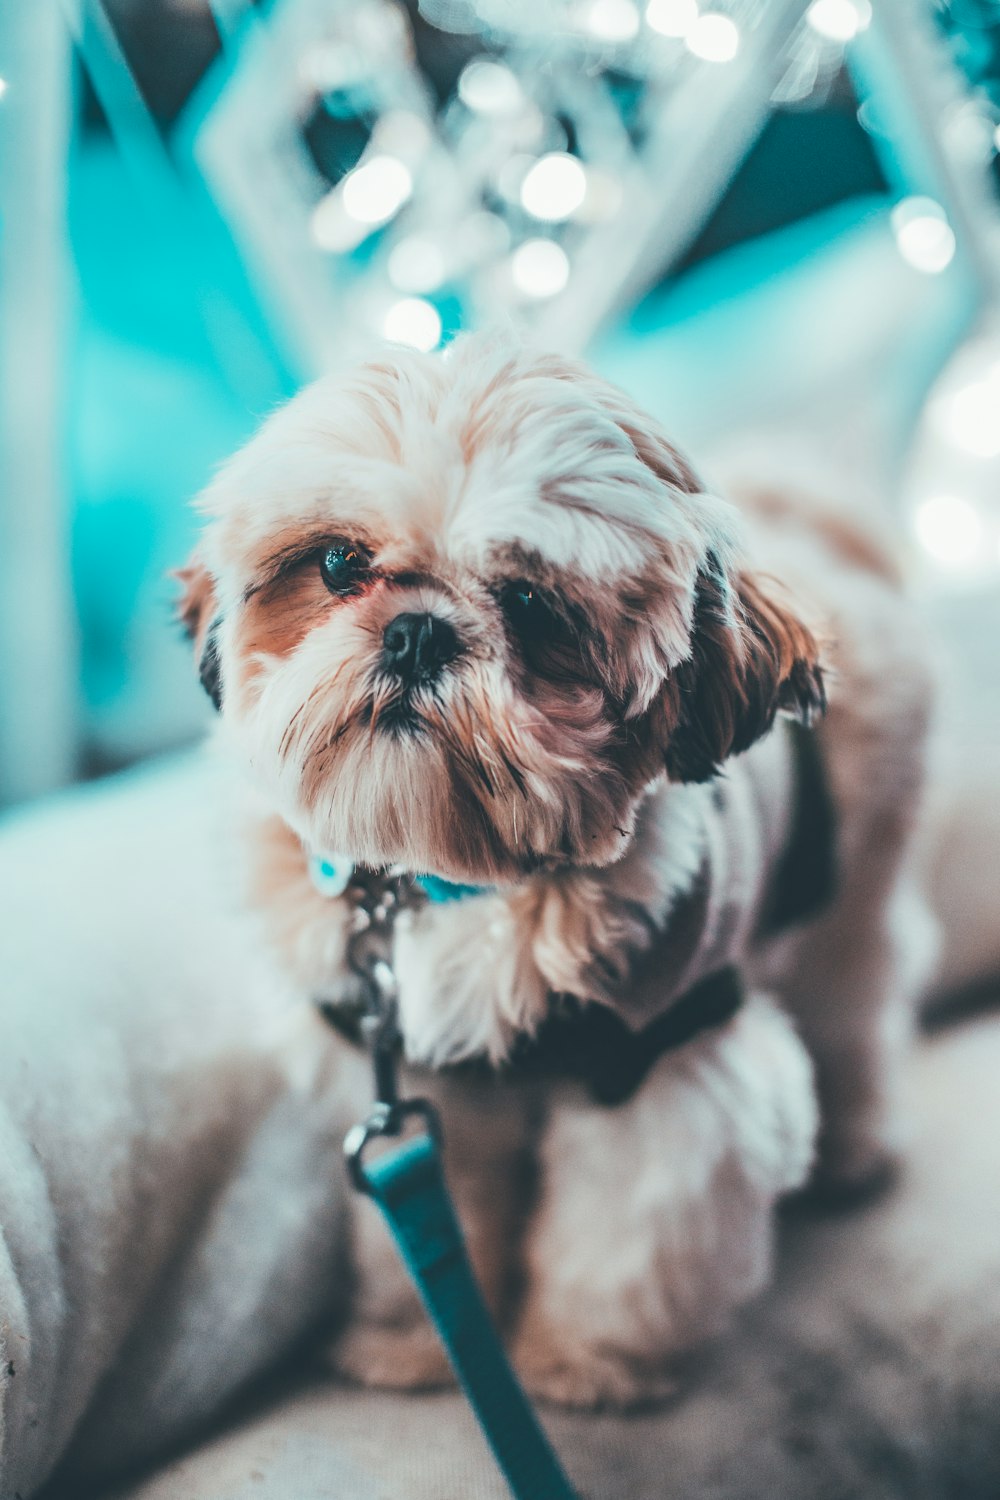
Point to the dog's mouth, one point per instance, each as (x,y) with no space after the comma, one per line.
(416,778)
(400,717)
(396,714)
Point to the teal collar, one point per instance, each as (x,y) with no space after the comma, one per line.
(439,891)
(331,874)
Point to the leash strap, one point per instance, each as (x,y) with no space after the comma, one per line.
(409,1186)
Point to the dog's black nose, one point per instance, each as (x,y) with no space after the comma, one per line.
(416,647)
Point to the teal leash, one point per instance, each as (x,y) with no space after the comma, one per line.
(409,1186)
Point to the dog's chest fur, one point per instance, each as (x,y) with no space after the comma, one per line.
(476,973)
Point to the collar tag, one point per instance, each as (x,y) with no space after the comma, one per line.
(330,873)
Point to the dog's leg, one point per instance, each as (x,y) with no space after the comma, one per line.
(854,990)
(852,979)
(654,1219)
(389,1340)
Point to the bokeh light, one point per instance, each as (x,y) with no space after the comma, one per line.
(950,530)
(376,190)
(971,416)
(839,20)
(540,268)
(413,321)
(489,88)
(924,237)
(554,187)
(672,17)
(612,20)
(714,38)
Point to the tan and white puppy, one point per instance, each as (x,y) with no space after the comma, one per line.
(474,615)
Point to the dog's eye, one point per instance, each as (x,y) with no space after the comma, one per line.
(551,634)
(527,611)
(530,614)
(343,566)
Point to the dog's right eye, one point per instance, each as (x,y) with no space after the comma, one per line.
(343,566)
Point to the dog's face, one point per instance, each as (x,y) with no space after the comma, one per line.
(460,611)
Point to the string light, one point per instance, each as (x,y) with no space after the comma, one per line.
(672,17)
(554,187)
(540,268)
(612,20)
(500,196)
(950,529)
(969,132)
(971,416)
(489,88)
(413,321)
(924,237)
(839,20)
(713,38)
(376,190)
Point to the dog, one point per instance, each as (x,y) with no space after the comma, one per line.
(472,615)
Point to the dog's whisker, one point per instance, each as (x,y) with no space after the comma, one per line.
(333,740)
(382,697)
(284,747)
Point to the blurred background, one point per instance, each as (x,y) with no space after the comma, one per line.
(775,222)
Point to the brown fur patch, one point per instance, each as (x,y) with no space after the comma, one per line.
(860,548)
(865,545)
(196,607)
(280,614)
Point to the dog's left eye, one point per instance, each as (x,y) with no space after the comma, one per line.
(343,566)
(530,614)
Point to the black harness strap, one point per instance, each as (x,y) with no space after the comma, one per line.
(590,1043)
(586,1041)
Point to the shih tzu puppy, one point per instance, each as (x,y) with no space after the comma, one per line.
(472,615)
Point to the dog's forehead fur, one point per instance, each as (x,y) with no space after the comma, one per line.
(492,460)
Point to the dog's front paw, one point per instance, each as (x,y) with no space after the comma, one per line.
(853,1166)
(406,1359)
(570,1373)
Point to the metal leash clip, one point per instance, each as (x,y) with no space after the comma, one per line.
(369,954)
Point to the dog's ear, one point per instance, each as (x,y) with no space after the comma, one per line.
(751,658)
(197,612)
